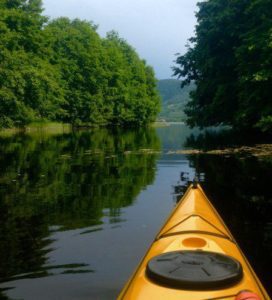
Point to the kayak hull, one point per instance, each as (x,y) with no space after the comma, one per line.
(193,225)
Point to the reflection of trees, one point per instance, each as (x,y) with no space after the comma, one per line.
(241,191)
(22,241)
(66,180)
(174,136)
(222,138)
(182,185)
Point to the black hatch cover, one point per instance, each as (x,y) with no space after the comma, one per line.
(194,270)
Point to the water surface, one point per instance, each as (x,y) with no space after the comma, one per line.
(79,209)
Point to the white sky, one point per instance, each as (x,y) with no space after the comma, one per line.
(157,29)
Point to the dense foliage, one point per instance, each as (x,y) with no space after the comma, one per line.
(230,61)
(174,100)
(63,70)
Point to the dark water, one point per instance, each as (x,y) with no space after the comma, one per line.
(79,209)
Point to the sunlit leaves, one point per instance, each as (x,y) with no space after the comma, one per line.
(63,70)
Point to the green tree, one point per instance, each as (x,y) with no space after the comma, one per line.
(132,84)
(229,59)
(62,70)
(28,83)
(77,50)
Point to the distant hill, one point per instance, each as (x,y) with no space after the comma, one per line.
(173,99)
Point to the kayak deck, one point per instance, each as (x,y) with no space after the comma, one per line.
(194,225)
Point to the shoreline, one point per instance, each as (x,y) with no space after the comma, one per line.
(258,150)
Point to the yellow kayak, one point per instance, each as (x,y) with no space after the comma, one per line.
(193,257)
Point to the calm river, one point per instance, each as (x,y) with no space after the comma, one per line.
(79,209)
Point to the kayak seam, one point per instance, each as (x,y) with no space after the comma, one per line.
(224,236)
(195,232)
(221,297)
(195,215)
(127,286)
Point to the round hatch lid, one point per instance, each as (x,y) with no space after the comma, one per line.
(194,270)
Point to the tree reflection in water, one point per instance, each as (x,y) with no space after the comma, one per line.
(61,182)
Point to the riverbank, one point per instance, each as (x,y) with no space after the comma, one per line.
(53,128)
(35,128)
(257,150)
(59,128)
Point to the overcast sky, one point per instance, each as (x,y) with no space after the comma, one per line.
(157,29)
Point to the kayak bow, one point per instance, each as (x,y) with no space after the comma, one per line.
(193,257)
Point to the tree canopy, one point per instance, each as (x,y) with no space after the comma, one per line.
(230,61)
(62,70)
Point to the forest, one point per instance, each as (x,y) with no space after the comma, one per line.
(230,61)
(174,100)
(62,70)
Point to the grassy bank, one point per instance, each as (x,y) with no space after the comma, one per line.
(49,128)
